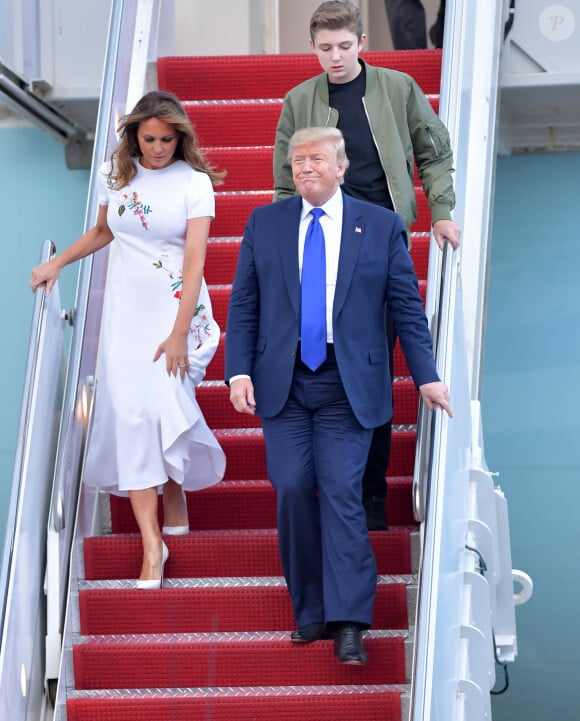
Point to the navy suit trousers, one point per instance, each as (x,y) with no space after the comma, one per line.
(316,453)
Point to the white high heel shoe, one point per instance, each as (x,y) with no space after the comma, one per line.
(155,583)
(175,530)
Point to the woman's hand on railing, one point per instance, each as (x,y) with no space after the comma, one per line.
(45,274)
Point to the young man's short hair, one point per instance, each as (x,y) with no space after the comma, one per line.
(336,15)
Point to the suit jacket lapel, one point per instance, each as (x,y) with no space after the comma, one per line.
(353,231)
(288,235)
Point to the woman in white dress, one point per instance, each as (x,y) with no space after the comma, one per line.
(157,335)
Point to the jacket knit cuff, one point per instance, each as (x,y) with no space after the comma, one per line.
(440,211)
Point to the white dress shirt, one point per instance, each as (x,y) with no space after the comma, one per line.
(331,223)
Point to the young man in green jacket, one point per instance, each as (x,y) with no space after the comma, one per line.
(388,126)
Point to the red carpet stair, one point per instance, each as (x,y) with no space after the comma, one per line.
(214,643)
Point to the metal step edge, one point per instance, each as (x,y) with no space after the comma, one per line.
(258,431)
(237,691)
(223,582)
(263,481)
(69,674)
(222,384)
(211,637)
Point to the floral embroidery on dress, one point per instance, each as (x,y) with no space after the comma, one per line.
(176,285)
(201,325)
(133,203)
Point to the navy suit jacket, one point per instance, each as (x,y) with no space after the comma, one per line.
(374,270)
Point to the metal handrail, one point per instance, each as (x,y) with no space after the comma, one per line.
(23,601)
(38,314)
(444,267)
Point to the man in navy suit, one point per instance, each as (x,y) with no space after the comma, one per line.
(318,423)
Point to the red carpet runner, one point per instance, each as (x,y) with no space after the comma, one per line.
(214,644)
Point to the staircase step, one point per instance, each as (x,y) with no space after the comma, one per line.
(223,553)
(335,703)
(212,606)
(251,660)
(215,370)
(246,458)
(250,505)
(222,258)
(220,299)
(233,210)
(271,76)
(231,124)
(249,168)
(214,401)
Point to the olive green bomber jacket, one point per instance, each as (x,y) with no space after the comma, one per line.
(404,126)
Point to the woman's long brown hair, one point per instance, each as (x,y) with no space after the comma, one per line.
(166,107)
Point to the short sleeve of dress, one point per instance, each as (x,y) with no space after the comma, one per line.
(102,183)
(200,198)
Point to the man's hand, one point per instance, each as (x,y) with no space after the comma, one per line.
(446,231)
(436,395)
(242,395)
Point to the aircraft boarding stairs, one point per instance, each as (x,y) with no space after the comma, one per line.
(214,642)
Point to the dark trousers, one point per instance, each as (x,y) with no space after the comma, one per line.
(316,452)
(407,24)
(374,481)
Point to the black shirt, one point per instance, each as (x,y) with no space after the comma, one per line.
(365,178)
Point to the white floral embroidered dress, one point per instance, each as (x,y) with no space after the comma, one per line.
(147,426)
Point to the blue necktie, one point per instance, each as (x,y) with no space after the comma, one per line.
(313,285)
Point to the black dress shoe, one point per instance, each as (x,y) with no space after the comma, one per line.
(376,513)
(348,645)
(308,634)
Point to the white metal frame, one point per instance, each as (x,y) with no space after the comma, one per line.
(466,603)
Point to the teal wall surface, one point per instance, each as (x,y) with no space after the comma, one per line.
(531,402)
(40,199)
